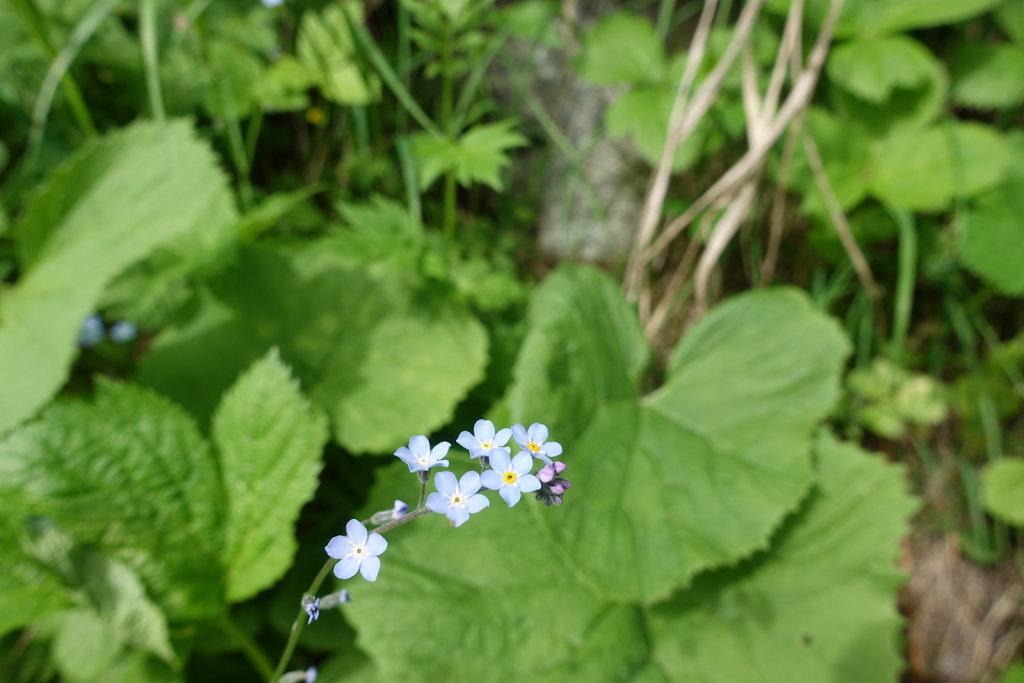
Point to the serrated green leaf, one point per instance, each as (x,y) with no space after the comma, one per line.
(1002,490)
(269,440)
(924,169)
(478,156)
(622,49)
(327,50)
(120,599)
(773,618)
(989,76)
(79,231)
(29,591)
(383,360)
(873,68)
(131,474)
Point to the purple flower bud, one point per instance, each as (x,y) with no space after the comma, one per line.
(312,607)
(559,466)
(558,489)
(546,474)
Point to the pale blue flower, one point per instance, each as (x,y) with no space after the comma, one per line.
(272,3)
(510,478)
(484,441)
(311,675)
(91,331)
(419,456)
(357,552)
(535,442)
(123,331)
(458,500)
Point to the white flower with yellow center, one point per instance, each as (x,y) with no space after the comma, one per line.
(357,552)
(484,440)
(511,478)
(535,442)
(457,499)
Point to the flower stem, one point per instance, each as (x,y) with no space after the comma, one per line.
(250,649)
(302,617)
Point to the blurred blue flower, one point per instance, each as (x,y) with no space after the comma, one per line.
(419,456)
(123,331)
(401,507)
(457,500)
(311,675)
(272,3)
(510,478)
(91,331)
(357,552)
(484,441)
(535,442)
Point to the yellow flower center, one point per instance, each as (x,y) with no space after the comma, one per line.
(533,446)
(486,445)
(510,477)
(457,499)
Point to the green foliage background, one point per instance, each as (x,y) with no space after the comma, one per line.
(320,269)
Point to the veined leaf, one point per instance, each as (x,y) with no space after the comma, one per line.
(102,211)
(773,618)
(131,474)
(269,439)
(29,591)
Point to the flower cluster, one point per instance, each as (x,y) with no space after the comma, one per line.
(456,498)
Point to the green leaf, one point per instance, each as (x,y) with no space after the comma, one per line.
(773,618)
(913,95)
(120,599)
(1002,490)
(495,586)
(79,231)
(269,439)
(870,18)
(763,357)
(1010,17)
(328,52)
(478,156)
(585,347)
(989,76)
(622,49)
(641,116)
(284,84)
(924,169)
(29,590)
(131,474)
(383,360)
(844,150)
(85,647)
(234,72)
(874,68)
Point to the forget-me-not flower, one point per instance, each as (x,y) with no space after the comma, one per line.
(457,499)
(510,478)
(312,609)
(484,440)
(535,442)
(91,331)
(357,552)
(420,457)
(123,331)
